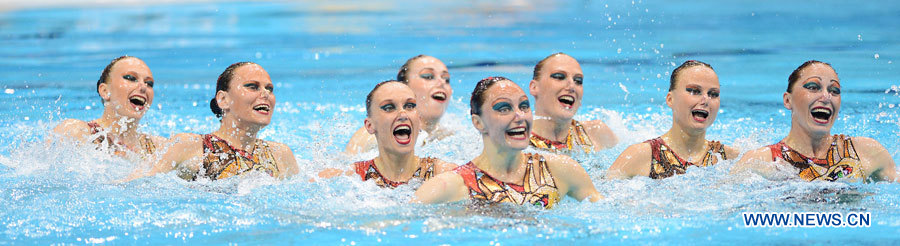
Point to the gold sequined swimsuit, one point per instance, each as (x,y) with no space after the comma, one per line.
(666,163)
(841,163)
(367,170)
(146,143)
(539,188)
(577,136)
(221,160)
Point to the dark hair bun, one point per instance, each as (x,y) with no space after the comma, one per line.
(214,106)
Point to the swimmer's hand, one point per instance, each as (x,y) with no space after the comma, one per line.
(331,173)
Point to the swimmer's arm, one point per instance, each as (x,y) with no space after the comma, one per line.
(447,187)
(443,166)
(602,136)
(72,128)
(361,141)
(181,148)
(286,160)
(566,170)
(634,161)
(752,161)
(883,166)
(731,153)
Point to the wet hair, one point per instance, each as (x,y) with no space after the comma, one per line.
(540,64)
(369,97)
(796,74)
(478,94)
(401,75)
(222,85)
(687,64)
(105,74)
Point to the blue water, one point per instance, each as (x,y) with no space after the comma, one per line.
(324,57)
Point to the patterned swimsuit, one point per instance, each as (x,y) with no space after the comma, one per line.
(577,136)
(841,163)
(221,160)
(146,144)
(539,188)
(367,170)
(666,163)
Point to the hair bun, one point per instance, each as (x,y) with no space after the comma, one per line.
(214,106)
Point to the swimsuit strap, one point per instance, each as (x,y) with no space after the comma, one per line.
(666,163)
(581,135)
(577,136)
(221,160)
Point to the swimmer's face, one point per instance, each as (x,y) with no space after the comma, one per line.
(129,88)
(250,97)
(815,99)
(557,91)
(505,116)
(429,79)
(393,118)
(695,99)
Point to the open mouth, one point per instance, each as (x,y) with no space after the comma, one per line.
(402,134)
(821,114)
(439,96)
(262,108)
(518,133)
(700,115)
(138,101)
(567,101)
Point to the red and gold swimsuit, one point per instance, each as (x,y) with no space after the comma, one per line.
(539,188)
(367,170)
(221,160)
(146,144)
(577,136)
(666,163)
(842,162)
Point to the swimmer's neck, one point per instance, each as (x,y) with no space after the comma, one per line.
(394,166)
(240,134)
(685,143)
(502,164)
(553,129)
(430,126)
(120,127)
(808,143)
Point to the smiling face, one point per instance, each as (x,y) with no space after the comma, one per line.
(393,118)
(695,98)
(250,97)
(558,89)
(505,116)
(129,88)
(815,99)
(429,79)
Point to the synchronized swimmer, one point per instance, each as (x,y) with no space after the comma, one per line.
(397,111)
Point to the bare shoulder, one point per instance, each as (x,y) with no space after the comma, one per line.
(445,187)
(441,166)
(285,158)
(73,128)
(731,152)
(361,141)
(752,159)
(158,140)
(600,133)
(634,161)
(186,139)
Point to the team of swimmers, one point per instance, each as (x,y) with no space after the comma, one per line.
(398,111)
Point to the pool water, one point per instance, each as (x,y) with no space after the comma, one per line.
(324,57)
